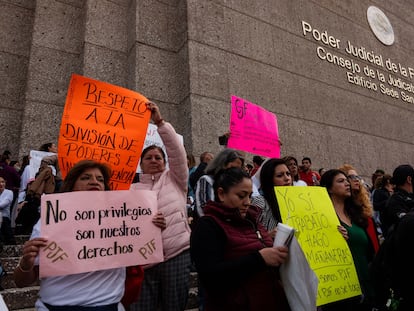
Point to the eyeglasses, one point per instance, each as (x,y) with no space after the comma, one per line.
(354,177)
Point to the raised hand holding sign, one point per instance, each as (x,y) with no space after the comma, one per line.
(106,123)
(253,129)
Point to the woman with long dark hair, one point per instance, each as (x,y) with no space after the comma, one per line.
(274,172)
(354,224)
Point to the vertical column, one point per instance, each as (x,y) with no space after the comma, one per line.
(16,24)
(57,44)
(105,50)
(158,56)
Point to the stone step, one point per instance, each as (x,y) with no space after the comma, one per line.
(11,251)
(192,302)
(25,298)
(20,239)
(9,264)
(20,298)
(193,279)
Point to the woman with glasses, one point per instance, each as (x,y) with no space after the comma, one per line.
(359,192)
(360,196)
(354,224)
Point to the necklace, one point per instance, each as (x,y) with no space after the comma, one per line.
(343,216)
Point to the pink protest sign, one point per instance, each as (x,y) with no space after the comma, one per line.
(253,129)
(97,230)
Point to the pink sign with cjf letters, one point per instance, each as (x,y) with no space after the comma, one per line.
(97,230)
(253,129)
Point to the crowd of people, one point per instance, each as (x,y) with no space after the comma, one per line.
(221,218)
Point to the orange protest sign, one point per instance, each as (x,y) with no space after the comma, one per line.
(106,123)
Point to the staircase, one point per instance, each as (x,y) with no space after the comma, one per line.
(16,298)
(23,299)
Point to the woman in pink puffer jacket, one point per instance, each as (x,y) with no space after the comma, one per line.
(166,284)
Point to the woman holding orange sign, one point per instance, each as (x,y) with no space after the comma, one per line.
(166,284)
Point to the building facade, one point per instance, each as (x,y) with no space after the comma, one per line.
(340,94)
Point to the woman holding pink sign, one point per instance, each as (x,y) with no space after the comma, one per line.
(98,290)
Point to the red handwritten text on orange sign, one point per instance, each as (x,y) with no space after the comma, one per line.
(106,123)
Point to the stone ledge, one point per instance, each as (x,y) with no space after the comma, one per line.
(20,298)
(192,301)
(20,239)
(11,251)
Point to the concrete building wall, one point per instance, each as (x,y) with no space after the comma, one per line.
(191,55)
(258,51)
(16,24)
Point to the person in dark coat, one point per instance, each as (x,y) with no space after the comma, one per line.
(233,253)
(403,270)
(402,200)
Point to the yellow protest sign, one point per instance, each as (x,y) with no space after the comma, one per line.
(106,123)
(310,211)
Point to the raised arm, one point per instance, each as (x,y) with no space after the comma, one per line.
(177,157)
